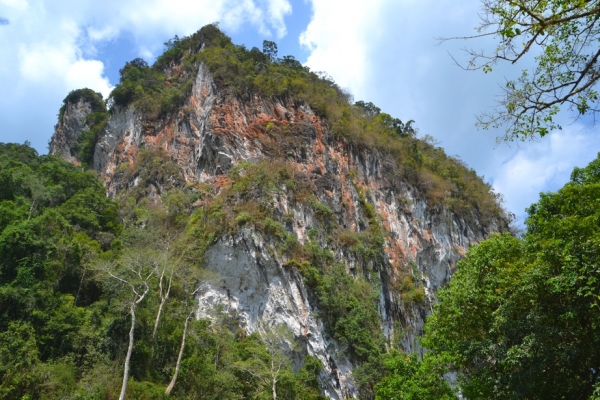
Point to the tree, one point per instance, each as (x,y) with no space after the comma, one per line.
(164,271)
(563,35)
(408,378)
(132,272)
(189,277)
(270,49)
(520,316)
(18,357)
(268,365)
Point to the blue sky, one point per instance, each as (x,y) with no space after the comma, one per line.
(382,51)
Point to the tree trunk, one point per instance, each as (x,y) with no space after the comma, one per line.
(163,300)
(129,351)
(160,308)
(274,377)
(179,357)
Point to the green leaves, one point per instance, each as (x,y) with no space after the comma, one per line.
(564,35)
(519,318)
(18,357)
(408,378)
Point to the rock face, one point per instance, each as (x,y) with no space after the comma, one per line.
(68,129)
(214,131)
(258,290)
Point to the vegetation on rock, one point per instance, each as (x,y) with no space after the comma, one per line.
(94,99)
(161,89)
(84,146)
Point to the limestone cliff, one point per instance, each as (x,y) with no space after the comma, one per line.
(214,130)
(81,117)
(69,128)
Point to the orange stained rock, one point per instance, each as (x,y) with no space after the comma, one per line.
(222,181)
(427,235)
(204,92)
(385,215)
(394,250)
(461,250)
(412,249)
(319,147)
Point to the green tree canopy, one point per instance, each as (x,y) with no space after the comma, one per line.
(520,317)
(408,378)
(563,35)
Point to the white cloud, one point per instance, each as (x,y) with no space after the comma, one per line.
(150,21)
(88,73)
(19,4)
(101,34)
(60,65)
(545,165)
(339,36)
(277,10)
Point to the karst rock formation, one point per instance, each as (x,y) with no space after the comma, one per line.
(348,187)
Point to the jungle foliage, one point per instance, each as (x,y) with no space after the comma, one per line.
(520,317)
(67,253)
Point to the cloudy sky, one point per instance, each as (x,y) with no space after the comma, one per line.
(382,51)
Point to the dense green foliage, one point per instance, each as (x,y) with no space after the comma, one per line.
(54,220)
(520,316)
(408,378)
(64,315)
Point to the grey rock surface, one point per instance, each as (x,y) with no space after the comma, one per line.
(67,130)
